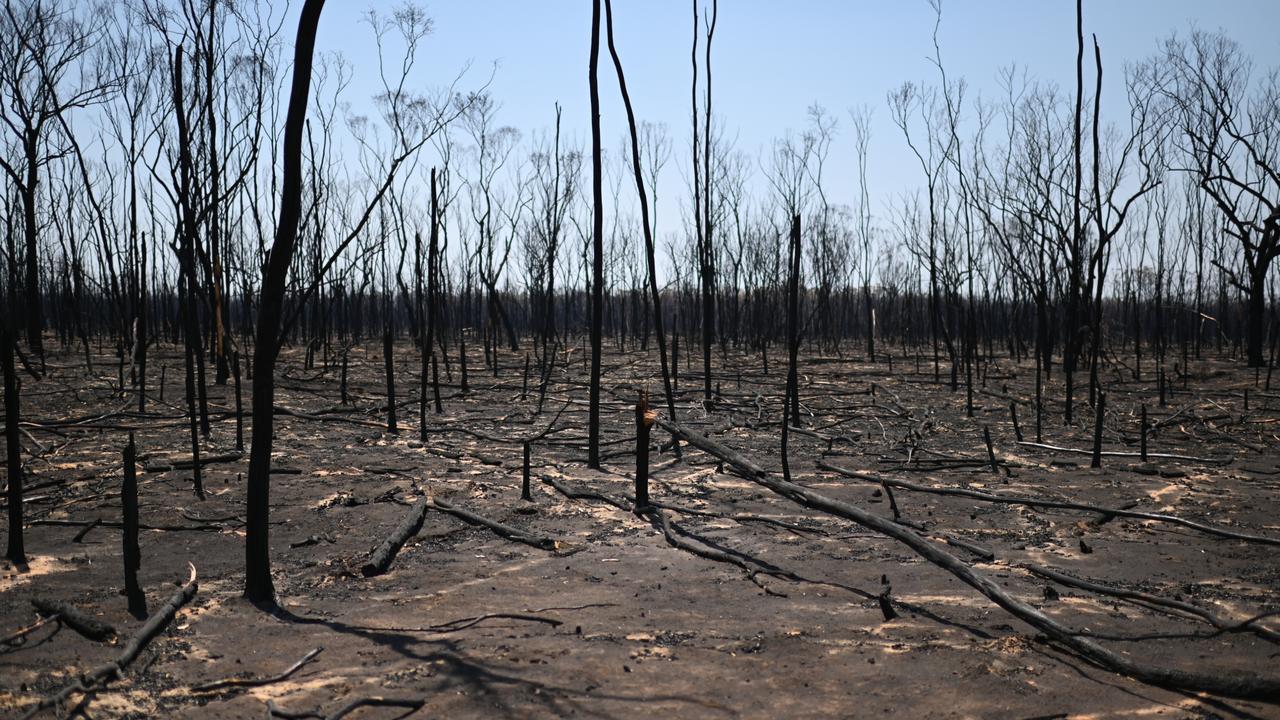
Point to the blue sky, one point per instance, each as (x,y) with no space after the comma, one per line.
(772,60)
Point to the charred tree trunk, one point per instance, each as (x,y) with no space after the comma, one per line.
(1071,345)
(35,307)
(187,282)
(644,421)
(597,246)
(16,553)
(654,293)
(433,292)
(1256,318)
(388,359)
(140,331)
(132,553)
(258,586)
(793,342)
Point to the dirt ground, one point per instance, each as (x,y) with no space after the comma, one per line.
(614,621)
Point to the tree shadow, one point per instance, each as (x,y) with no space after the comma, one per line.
(1088,670)
(461,672)
(23,644)
(769,568)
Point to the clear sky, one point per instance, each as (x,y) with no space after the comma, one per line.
(772,59)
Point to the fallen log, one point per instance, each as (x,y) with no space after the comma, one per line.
(80,536)
(1050,503)
(288,412)
(1121,453)
(462,623)
(574,494)
(732,457)
(68,615)
(506,531)
(672,533)
(383,555)
(164,464)
(275,711)
(1208,616)
(752,470)
(115,524)
(258,682)
(106,672)
(1239,684)
(741,518)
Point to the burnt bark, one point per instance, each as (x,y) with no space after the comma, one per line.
(258,585)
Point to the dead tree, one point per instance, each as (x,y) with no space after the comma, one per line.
(258,585)
(862,140)
(43,76)
(933,154)
(1075,246)
(597,247)
(791,401)
(433,300)
(704,231)
(1109,211)
(654,292)
(1231,148)
(131,552)
(16,553)
(187,285)
(493,149)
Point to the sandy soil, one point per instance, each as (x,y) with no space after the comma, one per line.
(620,623)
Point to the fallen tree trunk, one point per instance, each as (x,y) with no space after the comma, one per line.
(275,711)
(1239,684)
(104,673)
(1208,616)
(1120,453)
(258,682)
(1050,503)
(91,628)
(506,531)
(574,494)
(735,459)
(673,534)
(162,465)
(383,555)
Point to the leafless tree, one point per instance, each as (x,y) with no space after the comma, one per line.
(1229,124)
(45,74)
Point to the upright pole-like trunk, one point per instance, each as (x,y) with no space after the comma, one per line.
(707,247)
(140,332)
(654,293)
(187,281)
(1256,320)
(16,553)
(424,346)
(215,209)
(1100,258)
(597,246)
(258,586)
(388,358)
(433,293)
(644,421)
(35,307)
(131,551)
(1072,343)
(793,343)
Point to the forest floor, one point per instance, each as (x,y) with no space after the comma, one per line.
(612,620)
